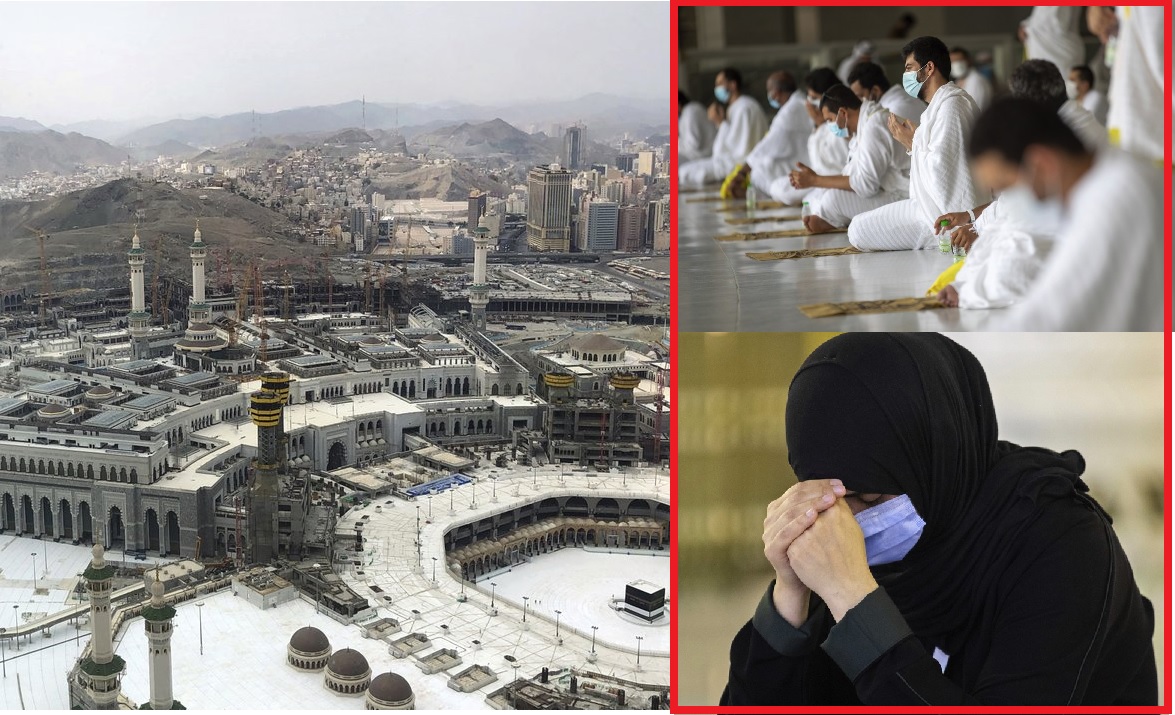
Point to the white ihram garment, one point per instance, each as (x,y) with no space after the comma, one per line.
(745,126)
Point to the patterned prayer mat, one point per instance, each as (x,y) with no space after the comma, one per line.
(858,307)
(762,219)
(803,253)
(763,235)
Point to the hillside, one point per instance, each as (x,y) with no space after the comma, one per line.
(50,151)
(449,182)
(90,231)
(494,138)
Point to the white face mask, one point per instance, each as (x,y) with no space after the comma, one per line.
(891,529)
(1071,88)
(959,70)
(814,102)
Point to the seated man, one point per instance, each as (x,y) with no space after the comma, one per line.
(1098,276)
(695,133)
(827,153)
(1080,86)
(786,143)
(971,81)
(745,126)
(877,172)
(868,81)
(939,179)
(1040,81)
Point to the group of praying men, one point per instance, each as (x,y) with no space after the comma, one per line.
(1072,239)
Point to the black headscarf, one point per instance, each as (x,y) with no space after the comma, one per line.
(911,413)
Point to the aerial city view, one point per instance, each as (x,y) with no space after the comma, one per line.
(334,376)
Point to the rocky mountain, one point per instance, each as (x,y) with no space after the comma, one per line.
(22,152)
(90,231)
(480,141)
(450,182)
(20,124)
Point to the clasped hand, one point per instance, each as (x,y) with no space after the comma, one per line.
(815,545)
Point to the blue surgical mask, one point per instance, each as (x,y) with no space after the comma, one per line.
(911,84)
(722,94)
(1020,205)
(773,103)
(891,529)
(838,131)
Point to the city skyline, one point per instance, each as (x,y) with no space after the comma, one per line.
(139,72)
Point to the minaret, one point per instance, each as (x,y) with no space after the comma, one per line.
(157,616)
(479,295)
(102,669)
(139,320)
(198,312)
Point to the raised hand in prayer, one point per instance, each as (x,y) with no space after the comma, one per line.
(803,176)
(788,517)
(1102,21)
(902,131)
(949,297)
(829,557)
(814,113)
(716,113)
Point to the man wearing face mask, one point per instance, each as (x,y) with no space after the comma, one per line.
(1103,272)
(745,126)
(786,143)
(826,152)
(971,81)
(939,179)
(1080,88)
(922,561)
(868,81)
(877,171)
(1040,81)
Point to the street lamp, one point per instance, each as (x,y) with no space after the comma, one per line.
(525,599)
(594,629)
(430,507)
(34,570)
(638,651)
(493,588)
(16,622)
(434,569)
(557,614)
(46,562)
(200,615)
(3,653)
(494,480)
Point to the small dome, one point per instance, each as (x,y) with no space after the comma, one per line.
(390,687)
(348,663)
(309,639)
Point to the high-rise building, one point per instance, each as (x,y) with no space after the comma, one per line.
(628,230)
(626,162)
(548,215)
(645,163)
(600,234)
(616,190)
(656,220)
(477,208)
(573,142)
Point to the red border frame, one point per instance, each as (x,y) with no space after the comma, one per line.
(675,705)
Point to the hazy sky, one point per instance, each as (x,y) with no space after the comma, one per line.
(62,62)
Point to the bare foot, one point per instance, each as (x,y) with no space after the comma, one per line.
(815,224)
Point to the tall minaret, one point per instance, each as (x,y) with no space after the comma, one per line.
(102,669)
(139,320)
(479,295)
(198,312)
(157,617)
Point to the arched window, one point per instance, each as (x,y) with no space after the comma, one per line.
(89,471)
(52,470)
(102,473)
(494,389)
(489,425)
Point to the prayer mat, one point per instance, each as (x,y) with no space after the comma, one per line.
(762,219)
(763,235)
(761,206)
(706,199)
(803,253)
(858,307)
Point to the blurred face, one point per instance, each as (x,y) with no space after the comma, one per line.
(960,65)
(720,81)
(993,171)
(866,95)
(859,502)
(1041,170)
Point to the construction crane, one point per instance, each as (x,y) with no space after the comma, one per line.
(41,236)
(367,289)
(167,303)
(259,312)
(659,401)
(155,308)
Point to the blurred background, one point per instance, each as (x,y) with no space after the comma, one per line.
(1099,393)
(760,40)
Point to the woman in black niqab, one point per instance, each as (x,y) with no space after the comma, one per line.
(1017,582)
